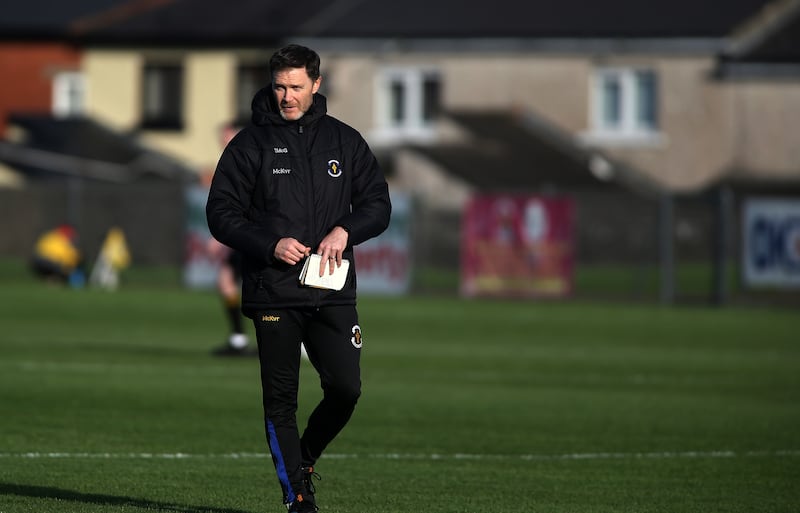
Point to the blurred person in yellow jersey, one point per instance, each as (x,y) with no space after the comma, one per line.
(57,257)
(114,256)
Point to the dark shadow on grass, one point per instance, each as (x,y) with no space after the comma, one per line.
(49,492)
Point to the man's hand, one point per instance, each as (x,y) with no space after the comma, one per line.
(291,251)
(331,249)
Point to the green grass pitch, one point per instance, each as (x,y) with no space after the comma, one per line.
(111,402)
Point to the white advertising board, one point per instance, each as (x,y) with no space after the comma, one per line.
(771,243)
(383,264)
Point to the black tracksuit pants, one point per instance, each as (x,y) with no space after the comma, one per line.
(332,339)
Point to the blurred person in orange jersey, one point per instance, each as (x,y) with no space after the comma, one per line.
(57,258)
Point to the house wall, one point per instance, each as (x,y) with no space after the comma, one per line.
(114,81)
(696,142)
(349,87)
(210,106)
(27,70)
(765,127)
(10,178)
(555,87)
(692,148)
(707,126)
(695,119)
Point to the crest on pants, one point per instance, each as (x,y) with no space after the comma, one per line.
(356,338)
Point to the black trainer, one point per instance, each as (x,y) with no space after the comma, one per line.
(303,504)
(308,481)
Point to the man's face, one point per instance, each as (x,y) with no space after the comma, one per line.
(294,91)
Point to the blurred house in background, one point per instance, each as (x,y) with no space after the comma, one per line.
(58,165)
(40,69)
(643,111)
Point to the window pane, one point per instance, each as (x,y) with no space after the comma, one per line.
(68,94)
(431,94)
(611,102)
(152,97)
(410,102)
(162,102)
(397,105)
(646,100)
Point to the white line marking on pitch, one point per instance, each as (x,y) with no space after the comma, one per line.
(415,456)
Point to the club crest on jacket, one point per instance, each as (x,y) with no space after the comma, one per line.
(334,168)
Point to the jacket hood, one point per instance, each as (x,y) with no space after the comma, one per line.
(266,111)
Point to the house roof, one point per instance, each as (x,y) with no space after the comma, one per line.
(267,21)
(46,18)
(510,151)
(776,40)
(767,46)
(81,147)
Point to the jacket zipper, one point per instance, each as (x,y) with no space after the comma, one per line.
(311,219)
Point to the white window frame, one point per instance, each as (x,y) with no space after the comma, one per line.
(629,132)
(413,127)
(68,94)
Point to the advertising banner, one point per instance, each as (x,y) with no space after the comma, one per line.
(203,255)
(200,268)
(383,263)
(517,246)
(771,243)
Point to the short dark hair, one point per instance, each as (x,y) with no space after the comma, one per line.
(295,56)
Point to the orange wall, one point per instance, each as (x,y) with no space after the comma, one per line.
(26,71)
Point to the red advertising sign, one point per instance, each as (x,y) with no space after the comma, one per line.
(517,246)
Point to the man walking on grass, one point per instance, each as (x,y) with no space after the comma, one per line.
(293,182)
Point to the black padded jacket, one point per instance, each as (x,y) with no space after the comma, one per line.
(298,179)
